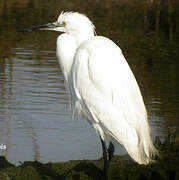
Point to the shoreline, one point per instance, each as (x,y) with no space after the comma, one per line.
(122,167)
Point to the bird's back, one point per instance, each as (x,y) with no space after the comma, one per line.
(106,93)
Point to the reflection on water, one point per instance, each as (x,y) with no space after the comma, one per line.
(35,110)
(35,120)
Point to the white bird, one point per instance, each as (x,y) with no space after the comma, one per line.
(102,86)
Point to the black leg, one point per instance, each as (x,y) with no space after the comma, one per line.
(110,151)
(107,156)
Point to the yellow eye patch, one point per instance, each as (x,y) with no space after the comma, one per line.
(63,24)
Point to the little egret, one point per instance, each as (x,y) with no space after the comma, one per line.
(103,88)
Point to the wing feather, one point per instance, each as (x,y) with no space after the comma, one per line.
(106,92)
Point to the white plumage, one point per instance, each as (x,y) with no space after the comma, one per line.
(102,86)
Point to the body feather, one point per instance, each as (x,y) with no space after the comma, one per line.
(107,93)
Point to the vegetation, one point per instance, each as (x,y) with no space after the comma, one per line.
(166,167)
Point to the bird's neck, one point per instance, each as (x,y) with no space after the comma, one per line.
(66,48)
(81,37)
(67,44)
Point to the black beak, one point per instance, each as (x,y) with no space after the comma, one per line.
(49,26)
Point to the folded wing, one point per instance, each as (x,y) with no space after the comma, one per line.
(106,93)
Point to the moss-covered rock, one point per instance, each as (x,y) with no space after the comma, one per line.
(122,167)
(4,176)
(25,173)
(4,163)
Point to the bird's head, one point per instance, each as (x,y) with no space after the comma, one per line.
(68,22)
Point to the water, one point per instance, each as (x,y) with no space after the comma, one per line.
(35,120)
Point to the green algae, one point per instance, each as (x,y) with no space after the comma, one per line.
(4,163)
(166,167)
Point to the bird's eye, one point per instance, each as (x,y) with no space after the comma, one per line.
(63,24)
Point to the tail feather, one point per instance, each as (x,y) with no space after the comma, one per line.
(137,143)
(145,151)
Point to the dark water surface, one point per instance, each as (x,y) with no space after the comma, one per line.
(35,120)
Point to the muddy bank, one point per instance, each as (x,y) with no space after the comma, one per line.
(122,167)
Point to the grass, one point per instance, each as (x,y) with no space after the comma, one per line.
(122,167)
